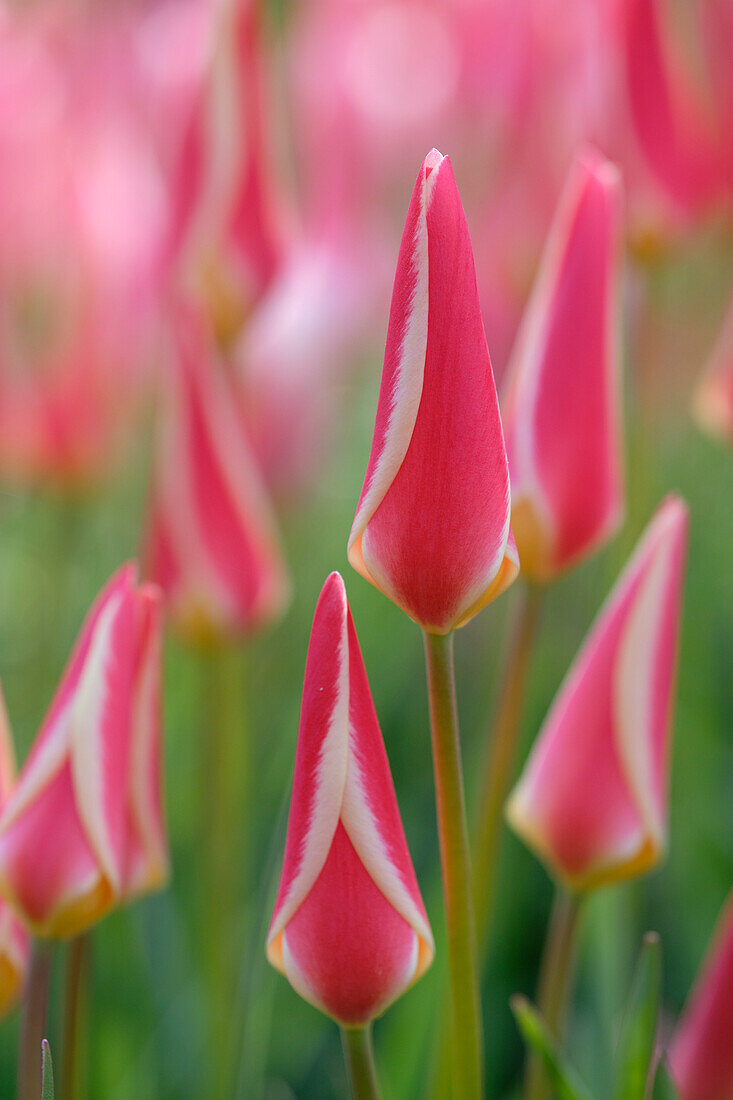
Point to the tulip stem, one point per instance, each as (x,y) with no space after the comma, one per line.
(33,1023)
(501,751)
(556,974)
(359,1055)
(75,1017)
(456,869)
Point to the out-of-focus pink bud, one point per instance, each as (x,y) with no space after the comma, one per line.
(592,800)
(82,829)
(349,929)
(714,397)
(701,1056)
(561,412)
(14,940)
(432,526)
(677,136)
(213,546)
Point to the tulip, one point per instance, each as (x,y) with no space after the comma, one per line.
(592,800)
(82,829)
(701,1056)
(561,415)
(14,941)
(349,929)
(212,542)
(432,526)
(714,397)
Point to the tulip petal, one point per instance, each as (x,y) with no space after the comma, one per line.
(714,397)
(561,417)
(14,957)
(592,798)
(432,525)
(7,753)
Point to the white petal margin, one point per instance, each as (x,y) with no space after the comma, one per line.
(327,797)
(87,763)
(635,672)
(408,379)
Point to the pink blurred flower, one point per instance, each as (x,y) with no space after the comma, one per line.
(212,543)
(701,1056)
(14,940)
(592,800)
(82,829)
(561,412)
(714,396)
(349,929)
(432,525)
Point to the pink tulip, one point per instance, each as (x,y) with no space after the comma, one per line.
(432,526)
(561,413)
(14,940)
(82,830)
(212,544)
(349,929)
(714,397)
(701,1056)
(592,800)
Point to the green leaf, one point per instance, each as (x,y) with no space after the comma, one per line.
(664,1086)
(46,1071)
(635,1050)
(560,1076)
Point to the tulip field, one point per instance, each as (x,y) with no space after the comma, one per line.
(366,589)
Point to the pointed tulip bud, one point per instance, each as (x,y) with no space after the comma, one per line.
(213,546)
(14,940)
(701,1057)
(432,526)
(349,929)
(714,397)
(561,413)
(82,829)
(592,801)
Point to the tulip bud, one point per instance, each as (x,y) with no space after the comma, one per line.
(349,929)
(592,800)
(701,1056)
(212,544)
(82,829)
(14,940)
(714,397)
(561,413)
(432,526)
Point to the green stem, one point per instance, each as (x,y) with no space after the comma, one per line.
(556,974)
(359,1055)
(455,866)
(501,752)
(75,1017)
(33,1023)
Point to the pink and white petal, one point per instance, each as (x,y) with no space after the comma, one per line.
(438,529)
(346,949)
(320,762)
(370,813)
(7,753)
(15,947)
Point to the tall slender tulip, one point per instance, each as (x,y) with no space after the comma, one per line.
(432,526)
(14,941)
(714,397)
(349,929)
(561,412)
(701,1056)
(212,542)
(82,829)
(592,801)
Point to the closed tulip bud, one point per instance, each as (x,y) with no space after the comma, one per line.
(82,829)
(212,546)
(14,940)
(592,801)
(701,1056)
(714,397)
(561,412)
(432,526)
(349,929)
